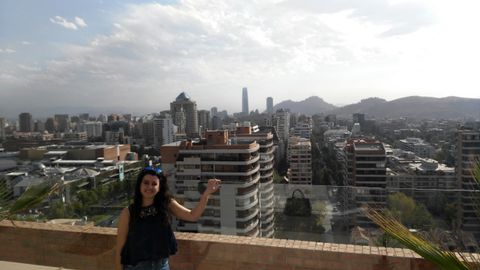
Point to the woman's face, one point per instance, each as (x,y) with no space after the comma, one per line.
(150,186)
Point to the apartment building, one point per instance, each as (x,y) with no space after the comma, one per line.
(418,146)
(266,161)
(423,179)
(303,130)
(184,114)
(468,148)
(366,178)
(299,156)
(235,208)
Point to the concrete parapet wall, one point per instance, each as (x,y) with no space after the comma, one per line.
(78,247)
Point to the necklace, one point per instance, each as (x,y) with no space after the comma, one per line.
(148,211)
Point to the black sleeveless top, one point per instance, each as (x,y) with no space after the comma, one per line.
(150,237)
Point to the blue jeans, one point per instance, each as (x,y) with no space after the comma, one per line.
(161,264)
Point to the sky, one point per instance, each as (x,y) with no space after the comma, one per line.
(137,56)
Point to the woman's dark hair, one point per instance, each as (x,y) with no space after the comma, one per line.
(161,200)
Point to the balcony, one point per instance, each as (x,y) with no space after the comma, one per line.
(93,248)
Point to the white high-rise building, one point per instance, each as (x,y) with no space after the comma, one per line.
(235,208)
(93,129)
(282,120)
(282,126)
(163,131)
(245,134)
(300,161)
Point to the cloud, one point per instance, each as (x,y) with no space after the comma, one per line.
(158,50)
(74,25)
(214,48)
(402,17)
(7,50)
(80,22)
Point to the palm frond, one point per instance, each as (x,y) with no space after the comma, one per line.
(443,259)
(29,199)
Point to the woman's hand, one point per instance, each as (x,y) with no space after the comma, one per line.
(181,212)
(212,186)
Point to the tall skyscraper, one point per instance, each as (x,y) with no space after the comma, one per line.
(38,126)
(203,121)
(282,121)
(163,130)
(26,122)
(51,125)
(183,104)
(245,109)
(213,111)
(63,122)
(148,131)
(269,105)
(180,120)
(216,122)
(282,126)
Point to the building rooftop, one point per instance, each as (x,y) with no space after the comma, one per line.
(27,181)
(182,97)
(368,146)
(56,153)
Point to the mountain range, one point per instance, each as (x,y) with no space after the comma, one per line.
(416,107)
(310,106)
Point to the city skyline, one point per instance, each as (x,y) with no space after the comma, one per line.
(138,55)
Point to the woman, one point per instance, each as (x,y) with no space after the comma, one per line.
(145,238)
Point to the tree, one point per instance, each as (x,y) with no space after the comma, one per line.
(405,210)
(56,210)
(320,210)
(451,214)
(401,207)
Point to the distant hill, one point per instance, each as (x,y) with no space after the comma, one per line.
(310,106)
(363,106)
(414,107)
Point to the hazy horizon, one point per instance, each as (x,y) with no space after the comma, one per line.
(95,111)
(137,56)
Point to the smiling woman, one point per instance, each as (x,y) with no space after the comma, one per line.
(145,238)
